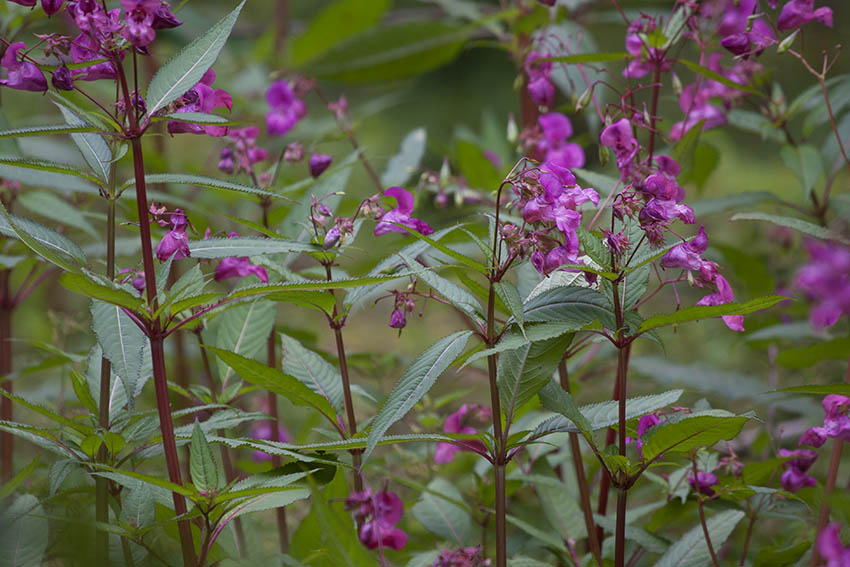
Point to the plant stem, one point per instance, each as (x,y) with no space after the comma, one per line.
(584,491)
(831,475)
(624,348)
(605,482)
(271,398)
(702,522)
(5,369)
(747,538)
(496,411)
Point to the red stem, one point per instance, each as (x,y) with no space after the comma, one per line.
(271,360)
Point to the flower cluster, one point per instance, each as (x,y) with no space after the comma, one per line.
(245,152)
(826,279)
(795,475)
(836,422)
(740,32)
(286,108)
(459,422)
(379,512)
(462,557)
(646,58)
(540,87)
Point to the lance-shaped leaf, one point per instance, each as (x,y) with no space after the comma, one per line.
(405,162)
(48,244)
(799,225)
(415,383)
(23,533)
(680,434)
(184,70)
(438,512)
(317,373)
(201,181)
(450,291)
(37,173)
(45,130)
(138,506)
(93,147)
(100,289)
(50,206)
(276,381)
(514,339)
(225,247)
(244,330)
(691,549)
(123,344)
(202,467)
(578,306)
(524,371)
(698,312)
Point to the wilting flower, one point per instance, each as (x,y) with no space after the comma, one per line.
(798,12)
(826,279)
(540,87)
(830,547)
(286,108)
(263,430)
(644,423)
(458,422)
(462,557)
(202,98)
(703,482)
(175,243)
(379,512)
(836,422)
(400,215)
(794,478)
(319,163)
(22,75)
(232,267)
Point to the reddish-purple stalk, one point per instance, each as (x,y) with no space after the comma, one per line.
(702,520)
(155,330)
(623,344)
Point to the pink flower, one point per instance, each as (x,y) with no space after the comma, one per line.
(826,280)
(232,267)
(175,243)
(794,478)
(645,423)
(400,215)
(204,99)
(458,423)
(379,512)
(286,108)
(22,75)
(798,12)
(540,87)
(830,547)
(618,136)
(556,129)
(138,20)
(703,482)
(319,163)
(836,422)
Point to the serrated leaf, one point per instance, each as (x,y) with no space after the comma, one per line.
(450,291)
(37,173)
(559,506)
(514,339)
(89,287)
(123,344)
(311,369)
(335,23)
(463,259)
(244,330)
(138,506)
(691,549)
(699,429)
(790,222)
(52,207)
(52,246)
(197,118)
(202,467)
(23,533)
(577,306)
(510,297)
(201,181)
(9,488)
(45,130)
(414,383)
(442,517)
(404,163)
(245,246)
(698,312)
(185,69)
(93,147)
(820,390)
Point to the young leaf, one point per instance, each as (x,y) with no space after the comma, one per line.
(462,258)
(184,70)
(224,247)
(202,467)
(317,373)
(691,549)
(697,312)
(511,299)
(415,383)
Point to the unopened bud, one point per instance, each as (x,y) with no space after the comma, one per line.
(603,155)
(584,99)
(513,130)
(445,172)
(677,85)
(786,43)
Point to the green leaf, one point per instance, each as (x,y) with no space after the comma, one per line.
(93,147)
(276,381)
(123,344)
(49,414)
(244,246)
(9,488)
(462,258)
(717,77)
(312,285)
(479,172)
(404,163)
(336,22)
(23,533)
(317,373)
(202,181)
(804,357)
(773,557)
(805,162)
(554,398)
(45,130)
(514,339)
(92,288)
(197,118)
(244,330)
(184,70)
(138,506)
(699,429)
(559,506)
(442,517)
(414,383)
(691,549)
(819,390)
(577,306)
(714,205)
(524,371)
(510,297)
(790,222)
(393,52)
(450,291)
(47,174)
(50,206)
(50,245)
(202,467)
(706,311)
(588,58)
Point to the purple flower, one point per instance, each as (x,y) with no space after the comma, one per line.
(202,98)
(400,215)
(618,136)
(138,20)
(826,279)
(286,108)
(830,547)
(263,430)
(556,129)
(225,160)
(85,49)
(723,295)
(794,478)
(540,87)
(798,12)
(175,243)
(398,318)
(164,19)
(703,482)
(644,423)
(50,7)
(836,422)
(62,79)
(22,75)
(754,41)
(458,423)
(319,163)
(686,255)
(462,556)
(379,512)
(241,267)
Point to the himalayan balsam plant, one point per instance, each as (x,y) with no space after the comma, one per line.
(459,353)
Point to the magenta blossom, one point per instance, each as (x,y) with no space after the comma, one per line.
(400,215)
(836,422)
(644,424)
(458,422)
(286,108)
(319,163)
(830,547)
(379,513)
(138,19)
(826,280)
(21,75)
(556,129)
(62,79)
(263,430)
(618,136)
(85,49)
(462,557)
(794,478)
(540,87)
(703,482)
(175,243)
(50,7)
(755,41)
(245,152)
(241,267)
(798,12)
(202,98)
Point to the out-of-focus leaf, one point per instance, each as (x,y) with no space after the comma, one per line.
(404,163)
(805,162)
(336,22)
(691,549)
(441,516)
(23,533)
(806,356)
(52,207)
(790,222)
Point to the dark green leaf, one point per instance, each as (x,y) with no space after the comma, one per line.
(202,467)
(336,22)
(706,311)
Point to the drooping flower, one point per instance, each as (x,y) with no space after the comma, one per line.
(164,18)
(618,136)
(556,129)
(263,430)
(176,242)
(50,7)
(540,87)
(703,482)
(62,79)
(462,557)
(400,215)
(204,99)
(799,12)
(836,422)
(826,279)
(830,547)
(754,41)
(319,163)
(21,75)
(233,267)
(459,422)
(644,424)
(286,108)
(794,478)
(379,512)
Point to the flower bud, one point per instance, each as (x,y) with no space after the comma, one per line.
(584,99)
(786,43)
(62,79)
(445,172)
(677,85)
(603,155)
(513,130)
